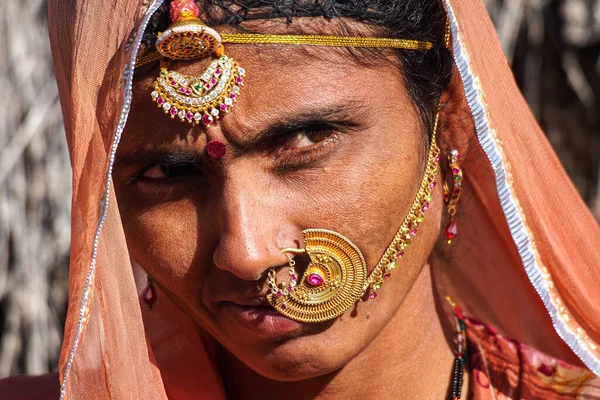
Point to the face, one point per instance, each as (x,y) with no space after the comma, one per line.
(315,140)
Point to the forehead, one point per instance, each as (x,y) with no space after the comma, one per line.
(282,80)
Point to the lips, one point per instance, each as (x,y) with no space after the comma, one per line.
(256,316)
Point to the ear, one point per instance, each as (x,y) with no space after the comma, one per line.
(456,130)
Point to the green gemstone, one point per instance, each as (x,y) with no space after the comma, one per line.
(377,286)
(462,325)
(405,244)
(392,266)
(457,177)
(163,73)
(420,219)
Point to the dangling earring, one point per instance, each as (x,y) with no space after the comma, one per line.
(452,193)
(149,294)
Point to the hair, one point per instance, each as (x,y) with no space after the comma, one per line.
(426,73)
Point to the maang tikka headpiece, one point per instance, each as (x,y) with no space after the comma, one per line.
(195,99)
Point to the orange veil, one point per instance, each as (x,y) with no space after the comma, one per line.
(530,267)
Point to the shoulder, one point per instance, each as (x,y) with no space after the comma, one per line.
(41,387)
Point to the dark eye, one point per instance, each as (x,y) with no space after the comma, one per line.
(165,171)
(309,137)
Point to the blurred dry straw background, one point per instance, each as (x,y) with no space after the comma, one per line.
(553,46)
(35,192)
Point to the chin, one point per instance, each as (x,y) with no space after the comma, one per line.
(298,359)
(286,366)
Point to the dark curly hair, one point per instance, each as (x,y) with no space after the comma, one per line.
(426,73)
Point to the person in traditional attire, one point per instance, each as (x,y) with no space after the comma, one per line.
(313,200)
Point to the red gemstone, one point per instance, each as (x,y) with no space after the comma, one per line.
(149,295)
(238,79)
(216,149)
(207,119)
(232,95)
(223,107)
(387,276)
(189,115)
(315,279)
(160,101)
(173,111)
(432,185)
(425,207)
(372,295)
(451,230)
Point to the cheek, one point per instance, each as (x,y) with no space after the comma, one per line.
(364,194)
(164,240)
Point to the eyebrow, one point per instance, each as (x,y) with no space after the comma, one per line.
(339,115)
(142,156)
(347,115)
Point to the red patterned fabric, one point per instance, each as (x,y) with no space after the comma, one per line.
(502,368)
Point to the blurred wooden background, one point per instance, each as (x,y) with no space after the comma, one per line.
(554,47)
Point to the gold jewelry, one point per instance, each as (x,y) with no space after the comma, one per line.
(333,281)
(452,195)
(307,40)
(194,99)
(336,277)
(325,40)
(199,99)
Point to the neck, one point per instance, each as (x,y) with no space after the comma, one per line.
(410,358)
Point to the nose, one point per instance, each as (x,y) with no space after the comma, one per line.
(253,230)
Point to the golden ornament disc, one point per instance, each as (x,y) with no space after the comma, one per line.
(344,272)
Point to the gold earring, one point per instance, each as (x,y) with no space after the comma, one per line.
(452,193)
(195,99)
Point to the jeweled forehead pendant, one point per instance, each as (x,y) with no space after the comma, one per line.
(195,99)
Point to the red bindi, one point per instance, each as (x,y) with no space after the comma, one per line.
(216,149)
